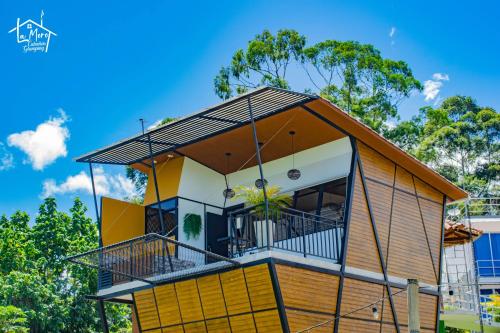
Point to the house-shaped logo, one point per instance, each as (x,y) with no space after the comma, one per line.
(34,36)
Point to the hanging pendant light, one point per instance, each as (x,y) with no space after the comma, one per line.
(258,183)
(228,193)
(293,173)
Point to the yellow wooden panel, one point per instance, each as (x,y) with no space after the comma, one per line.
(220,325)
(121,221)
(375,165)
(242,323)
(267,321)
(155,331)
(198,327)
(168,174)
(189,300)
(305,289)
(404,180)
(146,309)
(357,294)
(168,307)
(173,329)
(212,299)
(260,287)
(299,320)
(235,292)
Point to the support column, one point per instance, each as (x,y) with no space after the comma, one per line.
(261,172)
(347,217)
(413,311)
(158,201)
(98,218)
(102,314)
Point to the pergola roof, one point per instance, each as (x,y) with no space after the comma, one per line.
(230,114)
(225,128)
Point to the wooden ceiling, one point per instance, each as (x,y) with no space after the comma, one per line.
(274,135)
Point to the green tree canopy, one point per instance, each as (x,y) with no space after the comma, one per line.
(38,288)
(354,76)
(459,139)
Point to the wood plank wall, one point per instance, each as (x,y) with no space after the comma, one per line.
(240,300)
(407,214)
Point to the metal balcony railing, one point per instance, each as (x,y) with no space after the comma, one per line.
(476,207)
(488,268)
(149,258)
(288,229)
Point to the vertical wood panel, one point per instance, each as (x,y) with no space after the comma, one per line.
(375,165)
(260,287)
(404,180)
(235,292)
(408,254)
(219,325)
(309,290)
(211,296)
(362,249)
(168,307)
(268,321)
(189,300)
(146,309)
(198,327)
(242,323)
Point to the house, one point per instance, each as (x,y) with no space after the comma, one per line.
(363,218)
(471,269)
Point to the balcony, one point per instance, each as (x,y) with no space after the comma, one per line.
(285,230)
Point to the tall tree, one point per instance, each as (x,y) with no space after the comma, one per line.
(35,278)
(264,62)
(354,76)
(460,139)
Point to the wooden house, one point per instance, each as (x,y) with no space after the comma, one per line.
(363,217)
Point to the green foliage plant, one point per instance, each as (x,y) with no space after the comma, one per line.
(192,225)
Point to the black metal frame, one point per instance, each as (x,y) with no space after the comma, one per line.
(347,219)
(269,101)
(279,297)
(379,248)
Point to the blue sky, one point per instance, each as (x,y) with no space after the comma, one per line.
(114,62)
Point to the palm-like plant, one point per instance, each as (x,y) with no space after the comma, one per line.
(254,197)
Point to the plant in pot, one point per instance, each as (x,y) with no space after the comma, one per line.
(192,225)
(254,197)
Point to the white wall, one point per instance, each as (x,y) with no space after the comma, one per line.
(317,165)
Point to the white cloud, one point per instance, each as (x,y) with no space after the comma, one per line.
(433,87)
(116,185)
(392,32)
(45,144)
(6,158)
(440,77)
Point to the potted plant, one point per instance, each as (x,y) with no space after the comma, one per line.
(254,197)
(192,225)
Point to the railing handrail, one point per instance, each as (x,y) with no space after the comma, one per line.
(287,209)
(153,236)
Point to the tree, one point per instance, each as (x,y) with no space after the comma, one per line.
(459,139)
(354,76)
(35,278)
(264,62)
(12,320)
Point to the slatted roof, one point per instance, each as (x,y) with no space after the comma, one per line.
(233,113)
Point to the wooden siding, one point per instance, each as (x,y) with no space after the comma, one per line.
(362,247)
(309,297)
(238,300)
(408,218)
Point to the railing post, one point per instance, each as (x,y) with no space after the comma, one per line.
(131,249)
(303,235)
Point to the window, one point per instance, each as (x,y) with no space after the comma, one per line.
(169,212)
(326,200)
